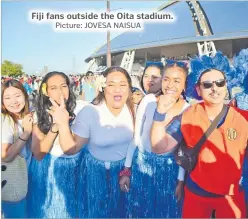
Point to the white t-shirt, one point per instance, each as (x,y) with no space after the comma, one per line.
(109,136)
(9,136)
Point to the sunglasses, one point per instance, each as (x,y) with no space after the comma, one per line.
(209,84)
(170,62)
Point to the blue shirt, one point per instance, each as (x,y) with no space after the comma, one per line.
(89,92)
(27,88)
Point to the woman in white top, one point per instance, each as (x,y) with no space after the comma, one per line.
(156,181)
(53,175)
(107,127)
(16,129)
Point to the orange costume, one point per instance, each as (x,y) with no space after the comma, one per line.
(219,165)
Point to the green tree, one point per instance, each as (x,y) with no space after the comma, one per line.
(11,69)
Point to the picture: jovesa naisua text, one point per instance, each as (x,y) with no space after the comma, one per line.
(99,25)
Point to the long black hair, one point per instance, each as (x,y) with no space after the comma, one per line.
(100,97)
(43,103)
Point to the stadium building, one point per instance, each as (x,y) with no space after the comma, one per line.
(200,28)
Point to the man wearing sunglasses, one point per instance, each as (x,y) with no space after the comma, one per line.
(212,88)
(213,184)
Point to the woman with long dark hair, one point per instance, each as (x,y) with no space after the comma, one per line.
(53,174)
(107,127)
(17,125)
(156,180)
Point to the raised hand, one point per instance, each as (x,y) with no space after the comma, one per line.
(59,112)
(165,102)
(27,123)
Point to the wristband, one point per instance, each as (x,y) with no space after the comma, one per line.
(125,172)
(22,139)
(158,117)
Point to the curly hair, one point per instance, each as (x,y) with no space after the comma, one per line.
(43,103)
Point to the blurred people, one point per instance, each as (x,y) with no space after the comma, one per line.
(35,86)
(26,85)
(88,89)
(137,96)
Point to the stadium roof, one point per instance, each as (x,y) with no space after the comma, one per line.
(227,20)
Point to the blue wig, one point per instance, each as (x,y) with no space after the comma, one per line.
(241,64)
(204,63)
(151,63)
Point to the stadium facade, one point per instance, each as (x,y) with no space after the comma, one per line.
(200,28)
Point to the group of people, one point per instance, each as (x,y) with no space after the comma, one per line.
(113,157)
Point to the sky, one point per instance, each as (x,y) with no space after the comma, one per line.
(36,45)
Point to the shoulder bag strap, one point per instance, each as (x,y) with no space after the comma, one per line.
(211,128)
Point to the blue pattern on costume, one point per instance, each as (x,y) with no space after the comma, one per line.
(242,103)
(153,184)
(100,187)
(15,209)
(245,178)
(242,100)
(52,187)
